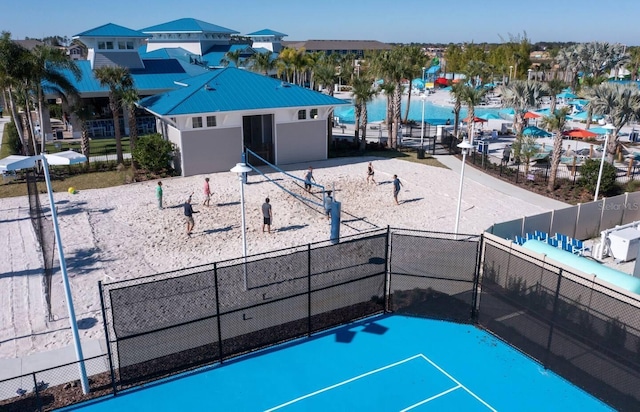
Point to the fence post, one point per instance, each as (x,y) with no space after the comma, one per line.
(476,281)
(309,289)
(215,281)
(37,390)
(553,320)
(106,335)
(387,271)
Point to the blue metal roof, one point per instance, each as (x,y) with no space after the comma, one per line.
(187,25)
(267,32)
(231,89)
(112,30)
(158,75)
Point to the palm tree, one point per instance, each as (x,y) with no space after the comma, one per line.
(414,60)
(117,79)
(556,121)
(363,93)
(83,113)
(263,62)
(325,74)
(521,96)
(472,97)
(232,56)
(554,87)
(621,103)
(13,69)
(48,75)
(457,90)
(129,99)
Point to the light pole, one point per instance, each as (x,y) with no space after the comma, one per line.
(529,71)
(423,98)
(241,169)
(510,70)
(609,128)
(65,158)
(465,146)
(424,70)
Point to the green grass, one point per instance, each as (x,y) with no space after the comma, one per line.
(97,147)
(4,148)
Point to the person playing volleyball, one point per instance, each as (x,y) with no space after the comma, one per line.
(370,173)
(396,188)
(308,177)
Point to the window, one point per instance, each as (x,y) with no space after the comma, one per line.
(125,45)
(105,45)
(302,114)
(211,121)
(196,122)
(313,114)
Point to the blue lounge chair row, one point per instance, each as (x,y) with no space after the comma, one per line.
(561,241)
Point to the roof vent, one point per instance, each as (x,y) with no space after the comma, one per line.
(208,88)
(285,84)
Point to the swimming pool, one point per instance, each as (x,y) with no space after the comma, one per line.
(433,114)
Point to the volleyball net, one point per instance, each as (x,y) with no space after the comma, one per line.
(291,184)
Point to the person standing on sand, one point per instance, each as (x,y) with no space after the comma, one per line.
(308,177)
(396,188)
(188,214)
(159,195)
(370,173)
(267,215)
(328,202)
(207,192)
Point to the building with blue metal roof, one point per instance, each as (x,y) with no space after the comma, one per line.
(193,95)
(213,116)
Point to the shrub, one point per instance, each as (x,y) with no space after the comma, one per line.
(589,176)
(153,153)
(13,139)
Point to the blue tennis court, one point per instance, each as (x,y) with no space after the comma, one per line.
(383,363)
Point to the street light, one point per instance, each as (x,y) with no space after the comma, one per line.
(465,146)
(241,169)
(65,158)
(424,70)
(609,128)
(529,71)
(510,70)
(423,98)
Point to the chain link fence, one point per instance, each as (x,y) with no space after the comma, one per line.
(584,331)
(169,323)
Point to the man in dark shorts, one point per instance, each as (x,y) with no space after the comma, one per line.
(188,216)
(266,215)
(370,173)
(308,177)
(396,188)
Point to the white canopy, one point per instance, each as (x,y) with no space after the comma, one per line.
(16,162)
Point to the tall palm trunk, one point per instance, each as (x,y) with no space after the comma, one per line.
(85,143)
(470,124)
(406,111)
(397,117)
(456,117)
(589,115)
(17,119)
(555,163)
(358,114)
(365,120)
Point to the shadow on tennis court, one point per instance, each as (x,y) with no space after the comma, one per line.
(416,199)
(227,204)
(218,230)
(292,227)
(346,335)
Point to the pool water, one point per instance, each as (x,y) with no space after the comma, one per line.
(433,114)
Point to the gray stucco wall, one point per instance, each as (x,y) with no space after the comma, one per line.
(301,142)
(209,151)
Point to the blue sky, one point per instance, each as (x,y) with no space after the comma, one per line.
(401,21)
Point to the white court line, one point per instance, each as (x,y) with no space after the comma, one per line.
(344,382)
(459,384)
(415,405)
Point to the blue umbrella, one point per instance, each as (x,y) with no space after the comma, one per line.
(583,116)
(418,83)
(535,132)
(489,116)
(566,95)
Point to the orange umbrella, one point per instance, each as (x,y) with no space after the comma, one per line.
(475,120)
(579,134)
(531,115)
